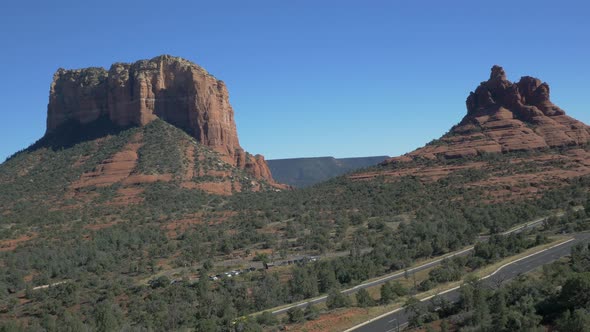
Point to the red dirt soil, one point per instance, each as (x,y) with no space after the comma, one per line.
(189,172)
(9,245)
(96,227)
(126,196)
(114,169)
(218,188)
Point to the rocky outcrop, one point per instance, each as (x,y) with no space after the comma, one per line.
(257,166)
(503,116)
(173,89)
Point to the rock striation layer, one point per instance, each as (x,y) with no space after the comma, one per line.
(503,116)
(170,88)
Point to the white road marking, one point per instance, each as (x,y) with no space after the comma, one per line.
(455,288)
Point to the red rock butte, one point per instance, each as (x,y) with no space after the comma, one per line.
(502,117)
(166,87)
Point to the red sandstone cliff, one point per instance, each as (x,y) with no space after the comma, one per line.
(503,116)
(173,89)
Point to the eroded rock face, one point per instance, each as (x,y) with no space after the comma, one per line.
(173,89)
(503,116)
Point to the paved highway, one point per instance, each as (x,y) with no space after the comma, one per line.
(376,282)
(532,224)
(389,322)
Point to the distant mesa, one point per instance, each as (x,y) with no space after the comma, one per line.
(305,172)
(166,87)
(502,117)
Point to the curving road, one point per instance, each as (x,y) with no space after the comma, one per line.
(376,282)
(532,224)
(398,318)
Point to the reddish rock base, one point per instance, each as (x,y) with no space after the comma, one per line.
(122,169)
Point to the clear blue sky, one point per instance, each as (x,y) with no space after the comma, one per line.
(306,78)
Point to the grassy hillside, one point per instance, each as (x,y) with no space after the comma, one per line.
(104,242)
(304,172)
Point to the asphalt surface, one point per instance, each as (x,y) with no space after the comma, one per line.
(399,318)
(376,282)
(532,224)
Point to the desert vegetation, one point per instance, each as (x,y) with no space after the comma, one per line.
(146,265)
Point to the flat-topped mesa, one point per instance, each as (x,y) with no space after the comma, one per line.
(503,116)
(170,88)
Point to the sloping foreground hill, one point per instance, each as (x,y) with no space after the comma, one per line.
(103,255)
(117,170)
(64,221)
(304,172)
